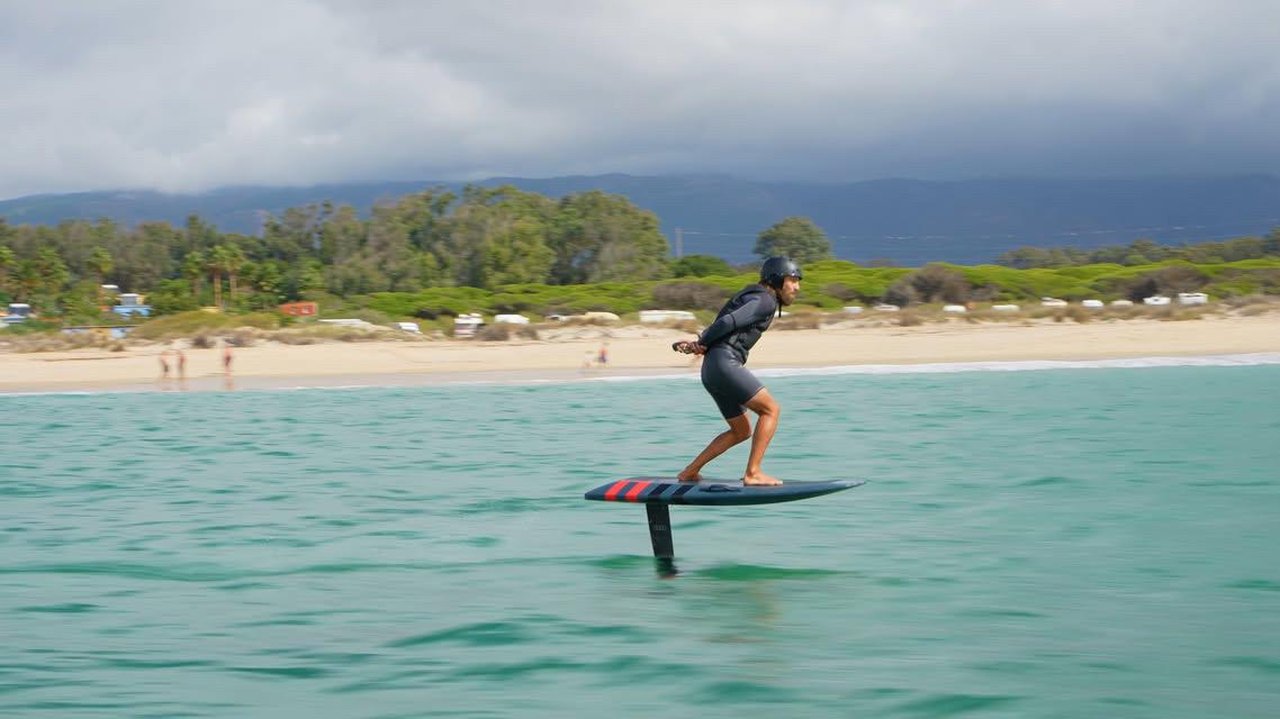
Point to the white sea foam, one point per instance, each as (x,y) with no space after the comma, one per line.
(691,375)
(1236,360)
(1231,360)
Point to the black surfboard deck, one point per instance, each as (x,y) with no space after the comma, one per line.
(714,492)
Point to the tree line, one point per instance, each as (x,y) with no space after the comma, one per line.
(1144,252)
(483,238)
(435,238)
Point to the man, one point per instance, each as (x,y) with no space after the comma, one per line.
(724,347)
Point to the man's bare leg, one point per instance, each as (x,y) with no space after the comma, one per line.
(739,430)
(764,405)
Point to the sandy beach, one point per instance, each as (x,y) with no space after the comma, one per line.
(561,353)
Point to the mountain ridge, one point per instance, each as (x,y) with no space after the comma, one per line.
(898,219)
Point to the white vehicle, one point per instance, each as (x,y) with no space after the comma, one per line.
(1052,302)
(1155,300)
(1005,308)
(511,319)
(853,310)
(348,323)
(886,308)
(648,316)
(409,327)
(1192,298)
(1122,303)
(1092,304)
(468,324)
(956,309)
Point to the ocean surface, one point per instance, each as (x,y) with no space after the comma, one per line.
(1070,541)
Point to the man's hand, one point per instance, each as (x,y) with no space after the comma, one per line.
(688,347)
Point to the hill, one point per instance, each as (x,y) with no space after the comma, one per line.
(910,222)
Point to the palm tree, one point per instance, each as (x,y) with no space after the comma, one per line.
(216,263)
(7,261)
(101,263)
(27,280)
(233,259)
(52,269)
(193,268)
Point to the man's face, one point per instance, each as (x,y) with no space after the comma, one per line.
(790,288)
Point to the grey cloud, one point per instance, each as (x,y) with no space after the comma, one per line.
(187,96)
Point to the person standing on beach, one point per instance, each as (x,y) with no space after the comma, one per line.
(164,364)
(724,347)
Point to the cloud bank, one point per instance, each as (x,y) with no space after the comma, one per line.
(194,95)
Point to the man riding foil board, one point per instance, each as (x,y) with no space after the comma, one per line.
(724,346)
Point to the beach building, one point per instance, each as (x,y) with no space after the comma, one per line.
(130,304)
(18,312)
(104,332)
(300,309)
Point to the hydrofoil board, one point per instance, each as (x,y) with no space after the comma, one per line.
(716,492)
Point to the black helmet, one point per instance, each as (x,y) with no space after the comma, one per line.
(775,268)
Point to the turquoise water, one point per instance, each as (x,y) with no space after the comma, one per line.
(1055,543)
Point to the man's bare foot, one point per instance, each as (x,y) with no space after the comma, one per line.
(760,479)
(687,476)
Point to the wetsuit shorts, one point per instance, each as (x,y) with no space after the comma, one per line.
(730,383)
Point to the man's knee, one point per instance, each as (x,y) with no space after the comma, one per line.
(740,428)
(764,404)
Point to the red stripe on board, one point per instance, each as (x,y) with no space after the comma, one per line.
(635,491)
(612,494)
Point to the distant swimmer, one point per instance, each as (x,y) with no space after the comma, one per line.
(724,347)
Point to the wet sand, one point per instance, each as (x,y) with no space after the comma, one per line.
(561,353)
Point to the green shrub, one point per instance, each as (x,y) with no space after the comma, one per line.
(499,332)
(33,327)
(700,266)
(689,296)
(799,321)
(183,324)
(909,319)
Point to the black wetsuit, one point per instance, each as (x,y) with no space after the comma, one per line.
(728,341)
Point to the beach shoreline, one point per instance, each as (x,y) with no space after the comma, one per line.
(633,351)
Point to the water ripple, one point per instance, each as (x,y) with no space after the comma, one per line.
(1066,542)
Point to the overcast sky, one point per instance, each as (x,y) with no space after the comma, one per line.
(186,95)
